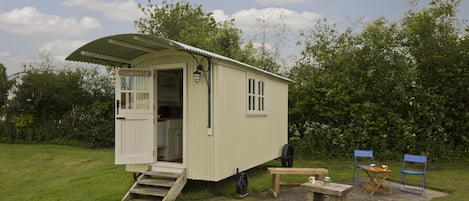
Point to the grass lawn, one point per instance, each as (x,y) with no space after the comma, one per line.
(450,178)
(51,172)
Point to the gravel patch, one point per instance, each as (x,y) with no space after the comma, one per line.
(298,194)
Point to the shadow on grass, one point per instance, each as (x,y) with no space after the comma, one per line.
(258,179)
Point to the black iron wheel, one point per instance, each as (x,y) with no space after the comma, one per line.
(287,156)
(242,184)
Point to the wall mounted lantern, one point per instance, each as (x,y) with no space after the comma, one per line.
(208,78)
(197,73)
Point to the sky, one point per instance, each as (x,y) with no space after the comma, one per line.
(58,27)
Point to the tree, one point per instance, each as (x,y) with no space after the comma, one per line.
(439,49)
(271,37)
(227,41)
(4,88)
(189,24)
(54,103)
(395,87)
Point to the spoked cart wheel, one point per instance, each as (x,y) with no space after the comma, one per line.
(241,184)
(287,156)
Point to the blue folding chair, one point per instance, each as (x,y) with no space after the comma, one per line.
(360,157)
(413,165)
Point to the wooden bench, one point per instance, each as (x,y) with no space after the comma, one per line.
(334,191)
(276,172)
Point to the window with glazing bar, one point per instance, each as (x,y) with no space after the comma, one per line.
(255,96)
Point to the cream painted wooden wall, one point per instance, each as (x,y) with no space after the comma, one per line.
(243,140)
(239,140)
(199,159)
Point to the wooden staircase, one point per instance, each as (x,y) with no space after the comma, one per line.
(152,186)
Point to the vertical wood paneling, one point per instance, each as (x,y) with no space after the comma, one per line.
(244,140)
(134,142)
(238,140)
(137,167)
(132,133)
(199,147)
(200,155)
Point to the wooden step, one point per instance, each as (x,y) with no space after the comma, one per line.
(162,174)
(143,199)
(165,187)
(153,191)
(156,182)
(166,169)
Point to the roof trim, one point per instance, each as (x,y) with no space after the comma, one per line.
(120,50)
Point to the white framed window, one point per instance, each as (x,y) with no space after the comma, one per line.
(260,95)
(256,96)
(134,90)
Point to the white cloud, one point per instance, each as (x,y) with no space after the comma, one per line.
(267,46)
(248,19)
(5,54)
(29,21)
(220,16)
(61,48)
(13,62)
(125,10)
(280,2)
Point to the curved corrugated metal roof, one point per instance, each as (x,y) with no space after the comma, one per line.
(121,49)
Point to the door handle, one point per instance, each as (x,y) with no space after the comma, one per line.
(120,118)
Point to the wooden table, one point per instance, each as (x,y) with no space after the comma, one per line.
(276,172)
(334,191)
(377,178)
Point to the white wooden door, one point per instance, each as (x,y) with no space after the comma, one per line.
(134,139)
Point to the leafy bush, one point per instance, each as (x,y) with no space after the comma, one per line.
(395,87)
(61,106)
(315,140)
